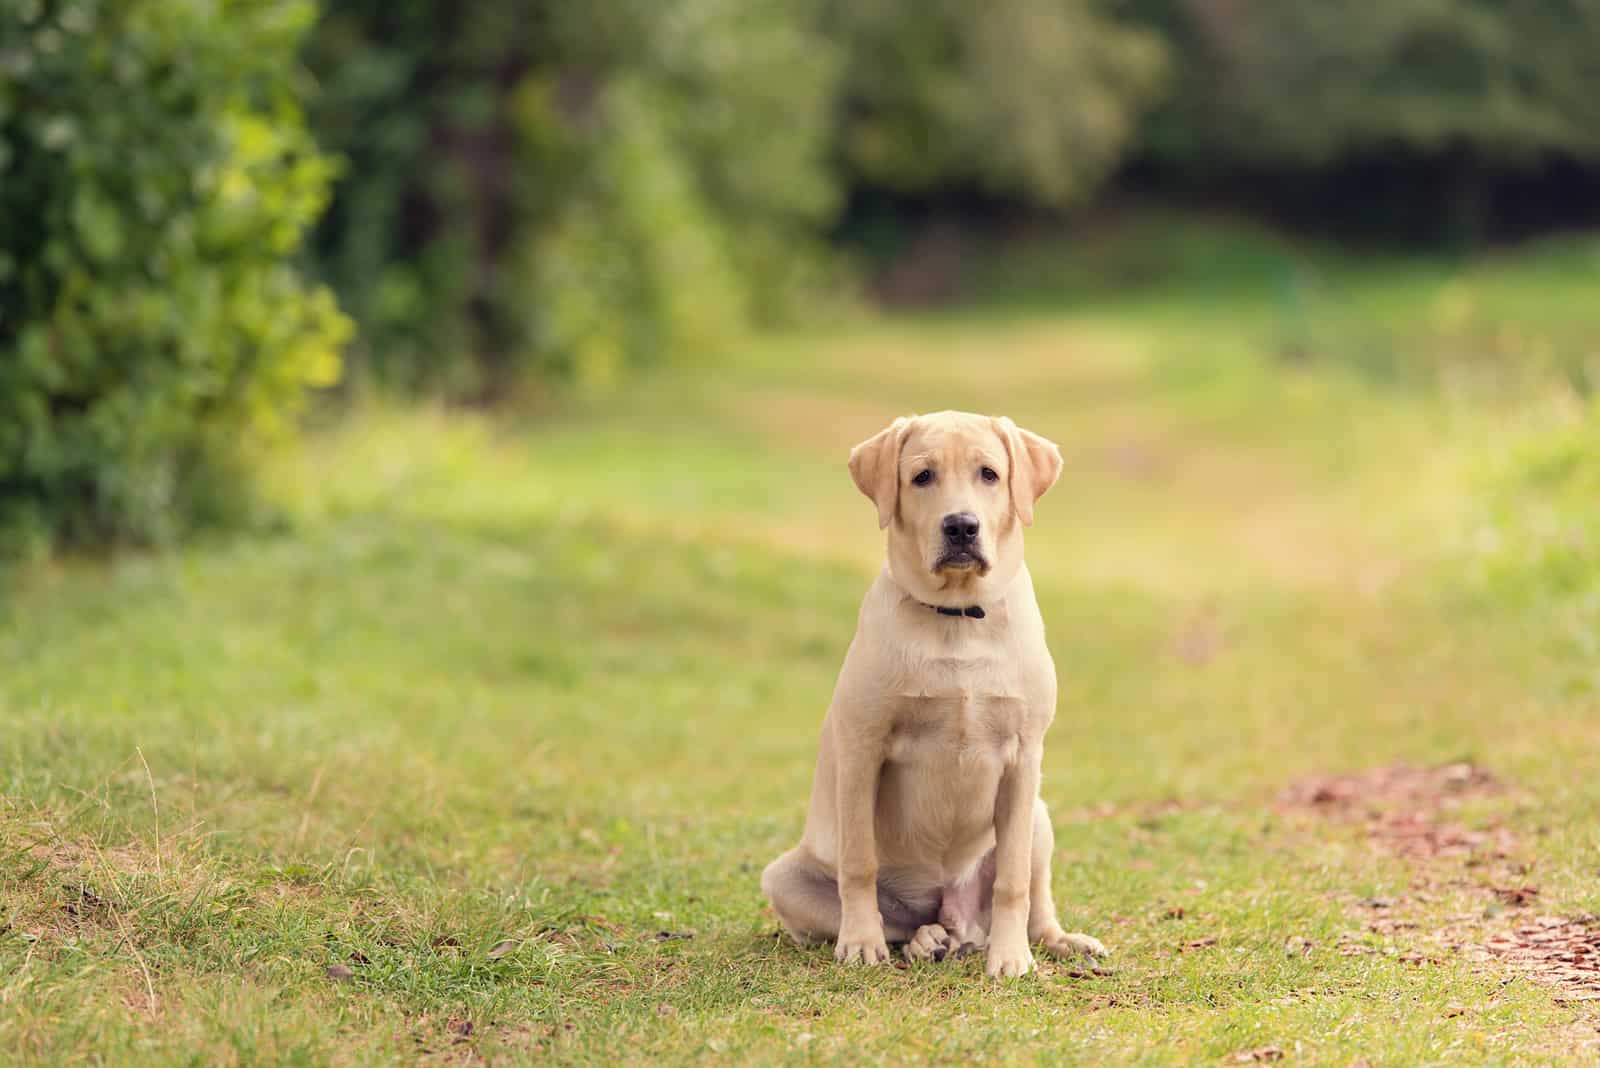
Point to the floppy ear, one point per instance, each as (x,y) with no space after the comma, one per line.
(1035,466)
(875,465)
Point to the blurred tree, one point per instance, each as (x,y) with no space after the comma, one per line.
(566,188)
(1034,100)
(155,180)
(1480,85)
(572,189)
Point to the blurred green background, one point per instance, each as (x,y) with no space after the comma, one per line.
(215,208)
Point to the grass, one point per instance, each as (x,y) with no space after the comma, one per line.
(504,726)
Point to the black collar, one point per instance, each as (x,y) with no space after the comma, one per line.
(972,611)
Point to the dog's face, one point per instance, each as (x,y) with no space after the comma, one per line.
(954,491)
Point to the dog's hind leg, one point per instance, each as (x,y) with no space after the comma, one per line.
(1043,927)
(806,898)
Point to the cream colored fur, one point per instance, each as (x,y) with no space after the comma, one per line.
(925,825)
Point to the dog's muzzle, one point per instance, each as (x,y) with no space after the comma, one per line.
(961,551)
(960,560)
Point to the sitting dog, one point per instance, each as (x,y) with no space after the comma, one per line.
(925,825)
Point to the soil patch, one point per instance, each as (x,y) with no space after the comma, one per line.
(1395,784)
(1404,812)
(1562,951)
(1404,809)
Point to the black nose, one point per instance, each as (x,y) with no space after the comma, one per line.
(960,528)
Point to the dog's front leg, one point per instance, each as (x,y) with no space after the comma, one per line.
(1013,826)
(860,924)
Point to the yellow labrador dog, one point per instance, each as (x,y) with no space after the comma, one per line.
(925,826)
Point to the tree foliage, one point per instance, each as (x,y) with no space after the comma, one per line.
(542,191)
(1032,99)
(155,180)
(565,189)
(1307,83)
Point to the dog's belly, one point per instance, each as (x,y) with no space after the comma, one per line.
(936,793)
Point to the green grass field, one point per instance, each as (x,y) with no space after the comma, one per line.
(481,755)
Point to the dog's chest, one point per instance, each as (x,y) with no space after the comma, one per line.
(957,714)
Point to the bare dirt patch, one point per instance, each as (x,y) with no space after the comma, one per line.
(1199,636)
(1561,951)
(1405,809)
(1405,812)
(1393,784)
(1408,834)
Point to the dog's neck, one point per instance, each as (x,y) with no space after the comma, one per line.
(971,611)
(975,612)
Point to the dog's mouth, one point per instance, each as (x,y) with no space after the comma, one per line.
(964,559)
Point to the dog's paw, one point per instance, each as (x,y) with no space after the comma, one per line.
(1061,944)
(1007,958)
(931,942)
(865,949)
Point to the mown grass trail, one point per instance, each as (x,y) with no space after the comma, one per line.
(504,728)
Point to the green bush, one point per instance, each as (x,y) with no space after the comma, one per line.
(155,181)
(1307,83)
(563,191)
(1035,100)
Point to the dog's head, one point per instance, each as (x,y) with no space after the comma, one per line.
(954,491)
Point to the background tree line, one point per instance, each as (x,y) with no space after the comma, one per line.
(513,196)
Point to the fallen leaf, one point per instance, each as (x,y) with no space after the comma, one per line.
(1556,950)
(339,973)
(1516,895)
(555,936)
(1200,943)
(502,948)
(1175,912)
(1349,948)
(1298,946)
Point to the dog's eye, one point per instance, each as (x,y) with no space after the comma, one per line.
(922,478)
(989,475)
